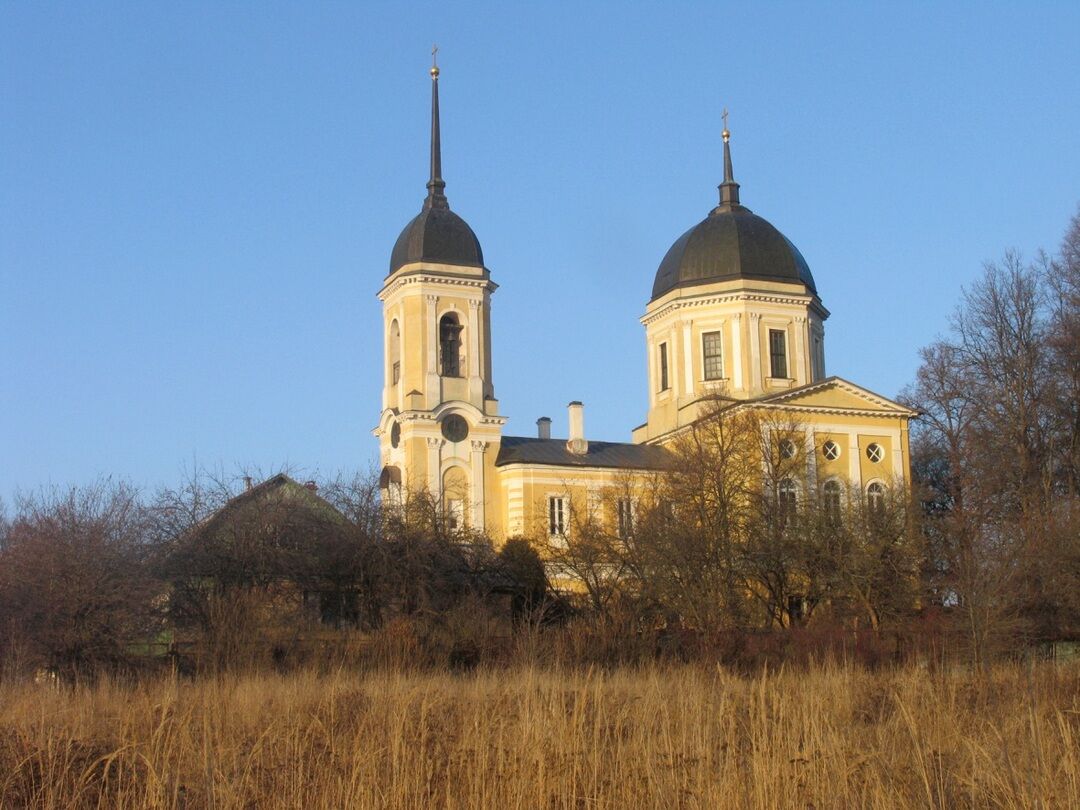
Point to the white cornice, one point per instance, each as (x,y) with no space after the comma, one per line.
(700,301)
(420,278)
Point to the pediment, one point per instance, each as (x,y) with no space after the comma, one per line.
(837,394)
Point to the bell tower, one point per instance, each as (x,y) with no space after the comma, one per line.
(440,429)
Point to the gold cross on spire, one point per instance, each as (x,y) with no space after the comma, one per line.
(434,62)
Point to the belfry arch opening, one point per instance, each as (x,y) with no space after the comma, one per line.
(450,345)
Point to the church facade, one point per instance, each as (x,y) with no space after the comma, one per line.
(734,317)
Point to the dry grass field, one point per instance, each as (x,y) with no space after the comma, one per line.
(525,738)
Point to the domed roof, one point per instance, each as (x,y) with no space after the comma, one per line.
(436,234)
(732,242)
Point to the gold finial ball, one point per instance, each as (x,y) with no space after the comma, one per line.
(435,72)
(725,135)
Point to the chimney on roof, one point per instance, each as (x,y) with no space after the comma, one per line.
(543,427)
(247,483)
(576,444)
(311,485)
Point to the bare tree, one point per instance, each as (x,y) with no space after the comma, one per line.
(74,581)
(995,453)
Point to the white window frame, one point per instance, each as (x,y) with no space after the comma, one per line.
(556,515)
(880,494)
(769,330)
(719,335)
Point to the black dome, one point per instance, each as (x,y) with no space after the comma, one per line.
(437,234)
(731,244)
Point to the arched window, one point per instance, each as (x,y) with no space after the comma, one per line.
(449,345)
(875,498)
(830,502)
(394,352)
(786,500)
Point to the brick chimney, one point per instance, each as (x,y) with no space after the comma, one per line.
(543,427)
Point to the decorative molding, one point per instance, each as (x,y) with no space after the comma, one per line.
(414,280)
(479,446)
(434,443)
(730,298)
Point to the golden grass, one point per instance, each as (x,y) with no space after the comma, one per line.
(525,738)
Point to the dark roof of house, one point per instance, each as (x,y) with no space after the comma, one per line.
(258,502)
(619,455)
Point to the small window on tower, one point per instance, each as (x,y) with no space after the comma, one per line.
(395,352)
(778,353)
(449,346)
(712,351)
(663,367)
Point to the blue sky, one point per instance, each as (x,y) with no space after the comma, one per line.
(198,200)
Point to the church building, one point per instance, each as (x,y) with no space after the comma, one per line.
(734,312)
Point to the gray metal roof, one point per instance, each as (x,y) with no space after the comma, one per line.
(437,235)
(732,242)
(618,455)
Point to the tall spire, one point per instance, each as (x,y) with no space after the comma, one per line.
(729,189)
(435,198)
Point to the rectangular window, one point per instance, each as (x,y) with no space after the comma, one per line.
(663,367)
(594,503)
(778,353)
(556,516)
(455,515)
(625,514)
(712,351)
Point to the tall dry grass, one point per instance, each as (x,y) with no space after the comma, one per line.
(525,738)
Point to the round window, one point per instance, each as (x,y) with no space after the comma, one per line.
(874,452)
(455,428)
(831,450)
(395,435)
(787,448)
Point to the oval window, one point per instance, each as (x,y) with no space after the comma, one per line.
(395,435)
(831,450)
(875,452)
(455,428)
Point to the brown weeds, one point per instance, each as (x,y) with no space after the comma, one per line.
(685,736)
